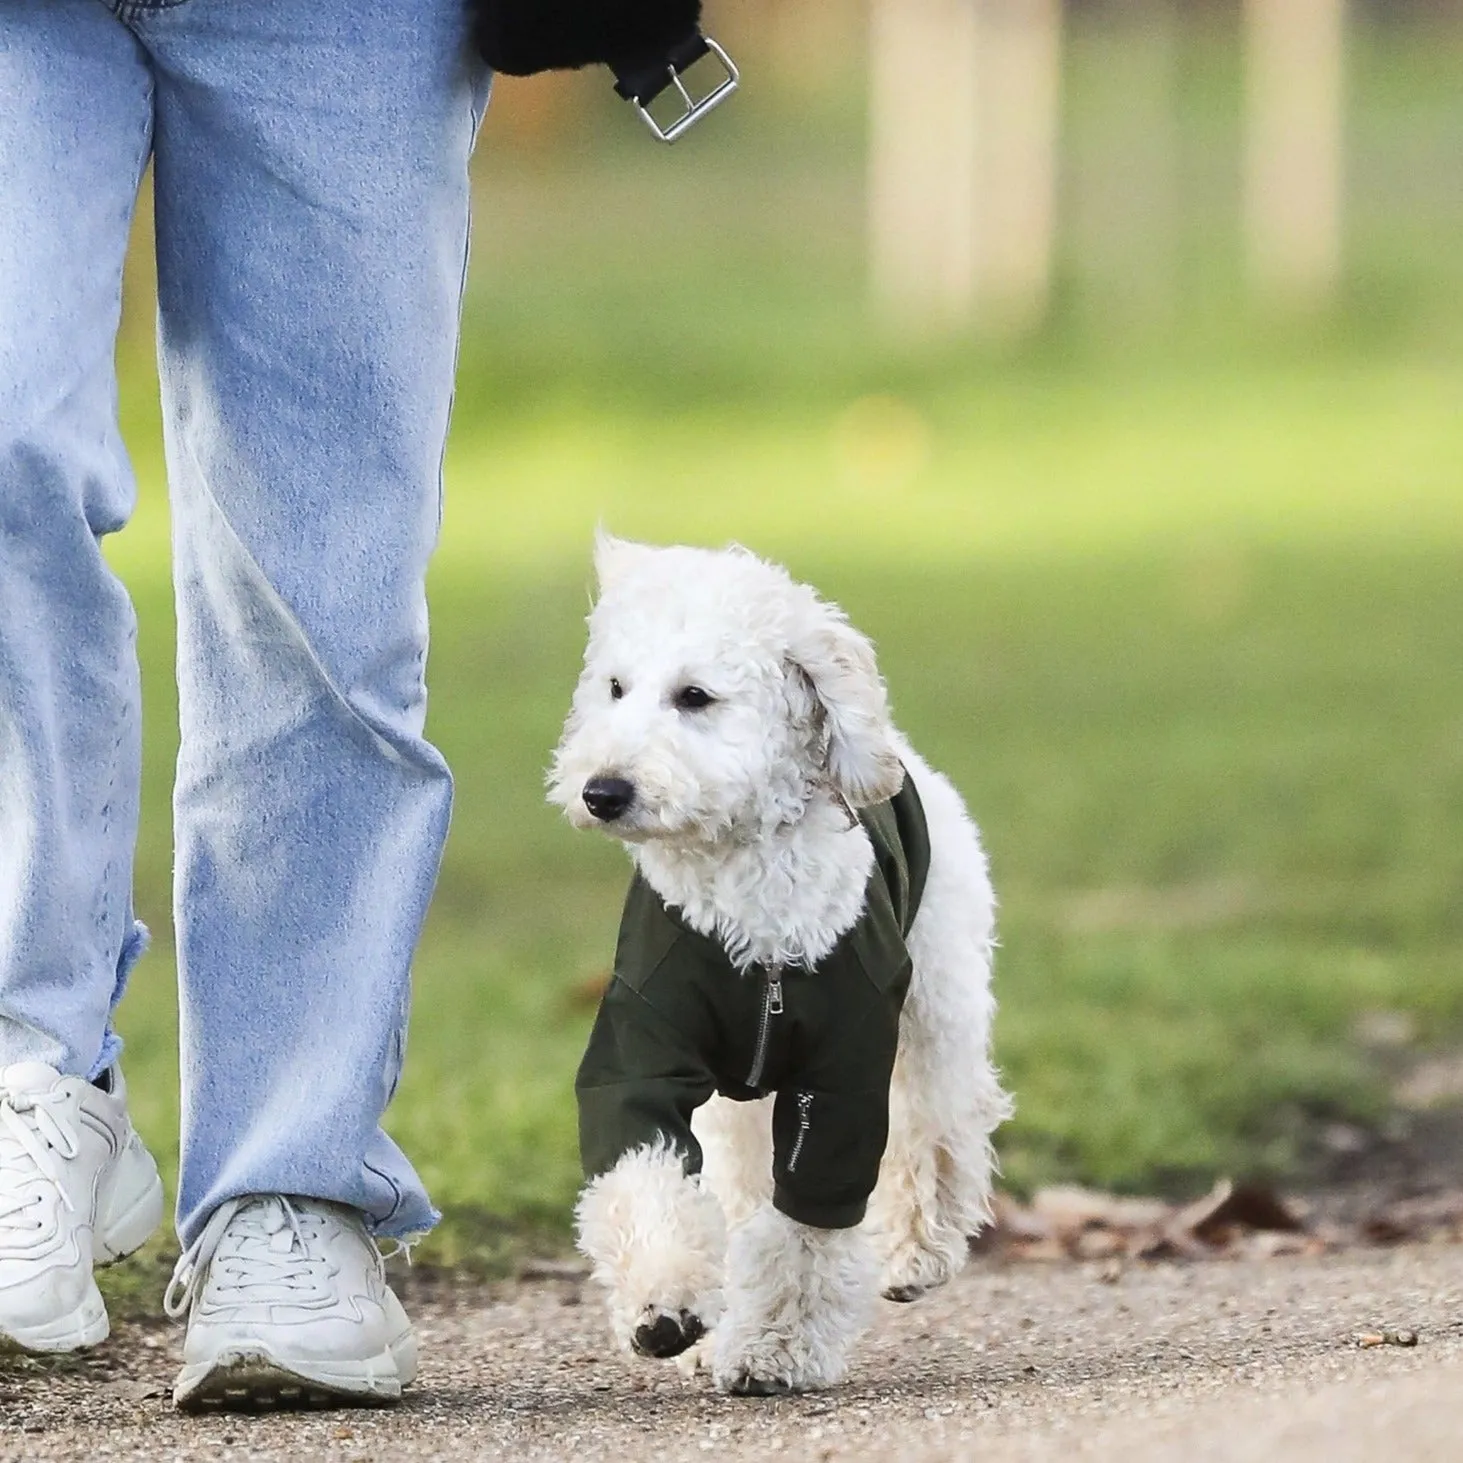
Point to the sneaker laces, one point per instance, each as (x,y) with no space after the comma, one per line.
(269,1247)
(33,1126)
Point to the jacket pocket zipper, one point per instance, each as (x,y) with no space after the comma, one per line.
(771,1006)
(805,1118)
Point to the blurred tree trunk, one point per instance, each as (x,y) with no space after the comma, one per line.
(1293,146)
(1019,98)
(964,102)
(1127,217)
(922,143)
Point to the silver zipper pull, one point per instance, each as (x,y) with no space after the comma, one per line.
(774,995)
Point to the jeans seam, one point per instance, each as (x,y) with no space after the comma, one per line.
(128,11)
(104,910)
(477,115)
(397,1196)
(399,1037)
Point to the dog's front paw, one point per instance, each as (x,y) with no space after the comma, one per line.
(746,1384)
(662,1333)
(766,1371)
(767,1367)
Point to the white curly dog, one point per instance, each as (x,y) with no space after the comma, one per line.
(737,1102)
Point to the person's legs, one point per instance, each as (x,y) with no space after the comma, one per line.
(75,129)
(312,203)
(76,1184)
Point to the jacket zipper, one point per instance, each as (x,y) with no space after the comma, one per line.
(805,1110)
(771,1006)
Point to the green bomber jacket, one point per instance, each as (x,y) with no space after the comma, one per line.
(679,1022)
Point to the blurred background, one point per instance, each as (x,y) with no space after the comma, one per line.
(1104,361)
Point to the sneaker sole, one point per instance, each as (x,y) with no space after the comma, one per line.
(250,1380)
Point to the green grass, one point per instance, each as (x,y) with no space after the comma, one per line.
(1179,613)
(1191,651)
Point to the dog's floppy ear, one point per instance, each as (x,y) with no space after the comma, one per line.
(615,557)
(838,664)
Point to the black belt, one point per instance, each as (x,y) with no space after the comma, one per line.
(649,45)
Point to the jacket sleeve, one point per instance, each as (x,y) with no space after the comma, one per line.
(830,1130)
(640,1081)
(522,37)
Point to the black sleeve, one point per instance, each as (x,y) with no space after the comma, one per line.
(829,1130)
(521,37)
(640,1080)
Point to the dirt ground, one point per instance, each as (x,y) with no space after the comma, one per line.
(1221,1360)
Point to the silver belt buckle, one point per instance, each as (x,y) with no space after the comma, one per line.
(695,110)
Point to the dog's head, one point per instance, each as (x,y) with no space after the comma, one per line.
(717,695)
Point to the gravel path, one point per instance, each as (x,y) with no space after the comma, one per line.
(1239,1360)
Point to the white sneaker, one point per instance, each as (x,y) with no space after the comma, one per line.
(77,1189)
(288,1306)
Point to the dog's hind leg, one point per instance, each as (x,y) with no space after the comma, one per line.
(934,1187)
(656,1239)
(736,1139)
(935,1181)
(796,1300)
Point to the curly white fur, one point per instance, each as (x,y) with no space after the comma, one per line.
(741,820)
(656,1238)
(798,1298)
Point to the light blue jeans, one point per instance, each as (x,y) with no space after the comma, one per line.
(310,164)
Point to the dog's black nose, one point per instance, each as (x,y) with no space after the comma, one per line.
(608,797)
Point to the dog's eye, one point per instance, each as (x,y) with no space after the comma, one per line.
(616,689)
(693,698)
